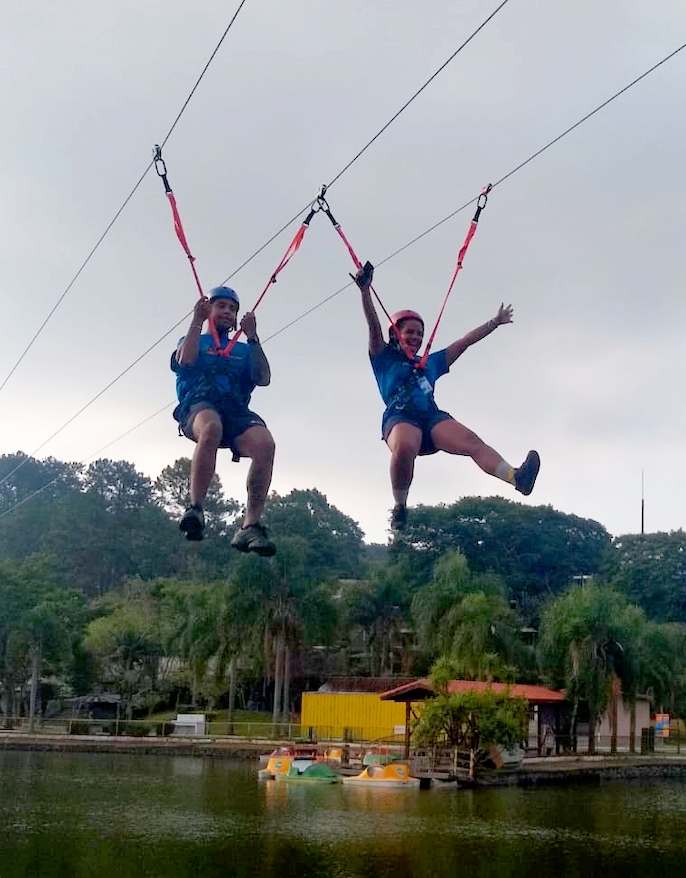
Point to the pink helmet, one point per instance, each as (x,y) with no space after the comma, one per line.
(405,315)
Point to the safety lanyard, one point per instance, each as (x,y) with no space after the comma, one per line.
(421,363)
(292,249)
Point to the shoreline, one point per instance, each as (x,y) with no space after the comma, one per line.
(536,771)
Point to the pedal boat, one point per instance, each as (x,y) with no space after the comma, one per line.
(278,765)
(395,774)
(317,772)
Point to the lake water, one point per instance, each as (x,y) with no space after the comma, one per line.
(101,816)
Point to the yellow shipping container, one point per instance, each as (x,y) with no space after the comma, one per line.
(354,716)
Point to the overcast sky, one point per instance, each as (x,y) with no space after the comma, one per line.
(586,242)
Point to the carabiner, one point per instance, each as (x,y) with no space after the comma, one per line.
(160,166)
(483,196)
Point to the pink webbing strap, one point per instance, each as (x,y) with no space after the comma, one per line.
(358,265)
(161,169)
(480,204)
(293,248)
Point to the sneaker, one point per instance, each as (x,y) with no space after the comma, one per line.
(253,539)
(399,516)
(525,476)
(193,523)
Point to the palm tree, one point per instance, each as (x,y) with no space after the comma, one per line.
(588,639)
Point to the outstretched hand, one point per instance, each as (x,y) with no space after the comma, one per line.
(504,314)
(363,277)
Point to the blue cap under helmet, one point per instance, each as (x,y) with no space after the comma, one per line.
(224,293)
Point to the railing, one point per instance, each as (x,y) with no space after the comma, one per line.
(645,741)
(267,731)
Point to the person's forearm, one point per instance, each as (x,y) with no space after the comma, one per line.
(260,372)
(480,332)
(372,318)
(188,352)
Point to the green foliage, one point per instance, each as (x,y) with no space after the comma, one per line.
(333,541)
(650,569)
(588,635)
(467,618)
(471,720)
(376,611)
(172,494)
(535,549)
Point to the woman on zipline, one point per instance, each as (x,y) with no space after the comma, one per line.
(412,423)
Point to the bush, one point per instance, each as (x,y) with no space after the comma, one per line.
(78,727)
(135,729)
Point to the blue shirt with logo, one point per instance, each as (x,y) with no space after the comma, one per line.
(224,382)
(405,389)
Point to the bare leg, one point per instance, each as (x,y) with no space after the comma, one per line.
(207,432)
(404,441)
(455,438)
(257,444)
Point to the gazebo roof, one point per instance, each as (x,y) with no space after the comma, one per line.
(419,690)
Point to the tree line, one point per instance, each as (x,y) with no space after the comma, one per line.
(97,589)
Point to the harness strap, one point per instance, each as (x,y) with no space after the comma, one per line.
(358,265)
(292,249)
(480,204)
(161,169)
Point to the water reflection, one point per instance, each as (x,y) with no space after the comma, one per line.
(103,816)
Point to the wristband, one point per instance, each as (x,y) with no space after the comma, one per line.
(254,340)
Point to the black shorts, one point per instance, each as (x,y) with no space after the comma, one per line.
(234,423)
(425,423)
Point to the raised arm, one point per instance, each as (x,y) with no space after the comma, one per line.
(457,348)
(260,371)
(189,348)
(363,279)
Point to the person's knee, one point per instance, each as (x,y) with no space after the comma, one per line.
(261,447)
(267,446)
(208,431)
(404,449)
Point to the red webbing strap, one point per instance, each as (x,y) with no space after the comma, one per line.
(358,265)
(293,248)
(161,169)
(480,204)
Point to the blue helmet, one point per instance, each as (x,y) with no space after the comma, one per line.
(224,293)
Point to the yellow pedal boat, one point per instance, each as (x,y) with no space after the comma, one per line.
(396,774)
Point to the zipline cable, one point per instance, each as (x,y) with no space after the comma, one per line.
(372,140)
(474,200)
(386,259)
(84,461)
(121,209)
(260,249)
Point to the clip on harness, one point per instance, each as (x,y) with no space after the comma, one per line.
(421,363)
(293,248)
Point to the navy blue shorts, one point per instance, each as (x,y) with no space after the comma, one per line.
(425,423)
(233,423)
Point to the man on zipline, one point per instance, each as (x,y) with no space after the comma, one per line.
(412,423)
(214,392)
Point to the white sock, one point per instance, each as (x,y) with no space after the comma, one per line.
(505,472)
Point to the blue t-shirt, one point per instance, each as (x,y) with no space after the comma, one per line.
(225,382)
(404,388)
